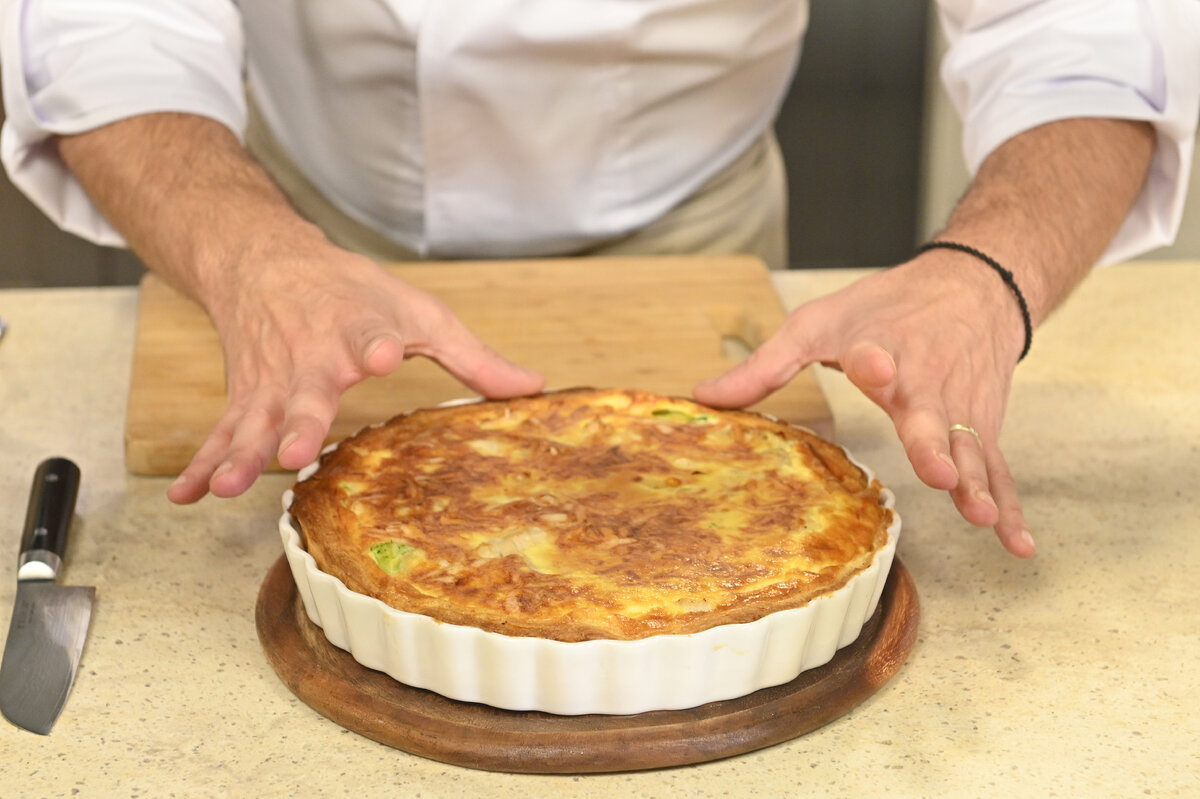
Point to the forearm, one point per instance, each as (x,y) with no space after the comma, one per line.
(185,194)
(1046,203)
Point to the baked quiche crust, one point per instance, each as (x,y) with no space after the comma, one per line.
(590,513)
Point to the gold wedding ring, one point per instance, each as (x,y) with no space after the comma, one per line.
(966,428)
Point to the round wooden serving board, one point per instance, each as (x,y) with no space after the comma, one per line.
(423,723)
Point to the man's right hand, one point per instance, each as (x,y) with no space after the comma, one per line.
(300,320)
(297,333)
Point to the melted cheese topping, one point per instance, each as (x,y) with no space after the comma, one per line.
(590,514)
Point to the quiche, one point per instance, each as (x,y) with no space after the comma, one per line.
(590,514)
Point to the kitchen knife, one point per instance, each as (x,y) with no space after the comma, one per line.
(49,621)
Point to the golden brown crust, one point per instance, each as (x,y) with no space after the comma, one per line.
(589,513)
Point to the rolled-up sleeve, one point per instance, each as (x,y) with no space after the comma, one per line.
(1015,64)
(74,65)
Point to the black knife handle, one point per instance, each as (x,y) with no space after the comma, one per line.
(51,506)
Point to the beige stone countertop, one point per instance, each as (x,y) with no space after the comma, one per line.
(1073,674)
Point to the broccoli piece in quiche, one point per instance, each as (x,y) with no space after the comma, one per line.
(676,415)
(391,555)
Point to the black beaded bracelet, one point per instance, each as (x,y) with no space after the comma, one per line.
(1005,275)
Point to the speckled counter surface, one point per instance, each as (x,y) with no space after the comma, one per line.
(1074,674)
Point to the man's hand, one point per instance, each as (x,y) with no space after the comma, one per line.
(300,320)
(933,343)
(301,327)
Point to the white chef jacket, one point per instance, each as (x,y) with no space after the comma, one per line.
(464,128)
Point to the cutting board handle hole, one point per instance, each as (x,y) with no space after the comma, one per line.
(735,348)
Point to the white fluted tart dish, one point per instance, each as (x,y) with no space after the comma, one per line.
(589,551)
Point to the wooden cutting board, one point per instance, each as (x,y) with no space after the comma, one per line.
(657,323)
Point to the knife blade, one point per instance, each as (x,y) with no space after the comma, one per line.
(49,621)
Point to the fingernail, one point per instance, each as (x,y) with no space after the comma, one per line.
(288,440)
(227,466)
(984,497)
(180,480)
(376,343)
(1026,538)
(945,458)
